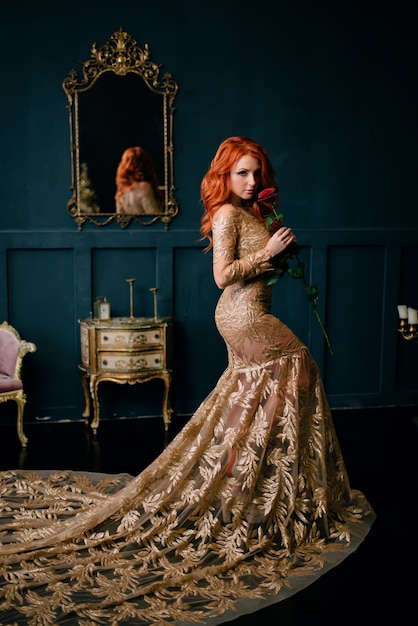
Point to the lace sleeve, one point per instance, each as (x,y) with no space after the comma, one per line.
(227,267)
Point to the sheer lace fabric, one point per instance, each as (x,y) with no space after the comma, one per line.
(250,503)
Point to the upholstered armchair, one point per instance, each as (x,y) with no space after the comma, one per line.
(12,351)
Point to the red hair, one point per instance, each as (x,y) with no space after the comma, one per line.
(135,166)
(215,187)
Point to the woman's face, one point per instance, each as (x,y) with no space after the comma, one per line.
(245,177)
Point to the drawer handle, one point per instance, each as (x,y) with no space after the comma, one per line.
(157,360)
(104,362)
(105,338)
(157,336)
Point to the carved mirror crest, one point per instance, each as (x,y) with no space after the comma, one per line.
(121,137)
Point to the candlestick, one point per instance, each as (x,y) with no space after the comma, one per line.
(412,316)
(131,296)
(154,291)
(403,311)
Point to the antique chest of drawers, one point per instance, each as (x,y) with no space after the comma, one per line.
(124,350)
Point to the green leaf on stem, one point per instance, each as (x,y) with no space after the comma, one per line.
(272,280)
(312,292)
(296,272)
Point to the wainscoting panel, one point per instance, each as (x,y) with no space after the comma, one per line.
(109,279)
(200,355)
(356,278)
(42,308)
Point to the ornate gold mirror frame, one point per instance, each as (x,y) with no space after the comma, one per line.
(120,101)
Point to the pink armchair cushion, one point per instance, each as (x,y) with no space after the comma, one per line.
(9,352)
(9,384)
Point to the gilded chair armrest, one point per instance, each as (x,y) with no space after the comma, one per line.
(27,346)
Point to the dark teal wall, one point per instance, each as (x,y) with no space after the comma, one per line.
(328,89)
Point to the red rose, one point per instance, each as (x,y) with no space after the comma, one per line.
(267,199)
(269,194)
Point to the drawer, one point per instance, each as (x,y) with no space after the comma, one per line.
(126,338)
(130,361)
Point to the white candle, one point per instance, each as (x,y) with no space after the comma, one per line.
(412,316)
(403,311)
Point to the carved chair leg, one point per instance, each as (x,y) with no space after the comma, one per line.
(20,409)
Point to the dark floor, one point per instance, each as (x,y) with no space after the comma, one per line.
(376,585)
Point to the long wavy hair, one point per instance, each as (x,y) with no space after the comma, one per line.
(135,166)
(215,189)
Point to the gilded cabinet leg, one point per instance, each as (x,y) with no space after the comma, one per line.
(20,408)
(167,410)
(94,388)
(85,384)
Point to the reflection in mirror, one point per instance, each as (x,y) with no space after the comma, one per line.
(121,131)
(137,188)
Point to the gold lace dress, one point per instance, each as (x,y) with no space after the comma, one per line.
(247,505)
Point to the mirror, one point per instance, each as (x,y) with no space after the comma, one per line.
(121,137)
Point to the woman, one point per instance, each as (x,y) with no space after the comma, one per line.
(137,189)
(248,504)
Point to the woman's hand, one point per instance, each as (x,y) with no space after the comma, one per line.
(280,240)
